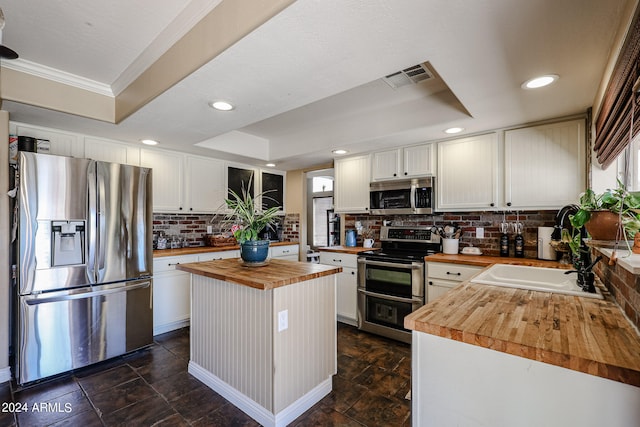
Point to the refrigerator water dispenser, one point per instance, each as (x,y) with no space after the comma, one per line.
(67,238)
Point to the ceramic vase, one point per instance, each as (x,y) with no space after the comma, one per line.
(603,225)
(254,251)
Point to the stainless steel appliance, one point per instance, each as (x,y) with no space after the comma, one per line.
(391,281)
(84,263)
(407,196)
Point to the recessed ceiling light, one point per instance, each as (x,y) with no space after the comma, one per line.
(270,165)
(149,142)
(221,105)
(541,81)
(339,151)
(453,130)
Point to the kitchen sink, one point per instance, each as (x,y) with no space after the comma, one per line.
(533,278)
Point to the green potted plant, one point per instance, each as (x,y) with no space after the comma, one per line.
(612,215)
(248,221)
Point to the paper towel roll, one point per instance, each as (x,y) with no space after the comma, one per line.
(545,251)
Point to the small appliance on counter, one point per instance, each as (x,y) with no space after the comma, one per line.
(350,238)
(272,234)
(545,250)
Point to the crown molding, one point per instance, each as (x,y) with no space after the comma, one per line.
(53,74)
(181,25)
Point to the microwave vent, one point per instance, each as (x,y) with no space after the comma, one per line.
(412,75)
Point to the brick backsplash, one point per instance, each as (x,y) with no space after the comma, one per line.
(194,226)
(468,221)
(623,285)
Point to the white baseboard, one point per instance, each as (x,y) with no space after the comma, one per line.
(5,374)
(168,327)
(252,408)
(347,320)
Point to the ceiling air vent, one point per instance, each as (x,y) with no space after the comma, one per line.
(412,75)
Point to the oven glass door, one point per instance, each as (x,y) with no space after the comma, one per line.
(389,279)
(387,312)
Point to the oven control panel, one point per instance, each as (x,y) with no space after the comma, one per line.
(408,233)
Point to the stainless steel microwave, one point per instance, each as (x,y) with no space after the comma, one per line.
(407,196)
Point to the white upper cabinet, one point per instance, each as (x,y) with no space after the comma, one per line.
(60,143)
(168,172)
(467,176)
(407,162)
(205,184)
(352,177)
(184,183)
(111,151)
(386,165)
(544,165)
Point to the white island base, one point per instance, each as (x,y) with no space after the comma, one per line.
(271,371)
(459,384)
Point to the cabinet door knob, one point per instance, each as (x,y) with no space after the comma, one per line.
(406,173)
(430,283)
(353,272)
(180,208)
(492,204)
(394,174)
(508,203)
(190,209)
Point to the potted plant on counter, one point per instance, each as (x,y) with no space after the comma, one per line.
(612,215)
(248,221)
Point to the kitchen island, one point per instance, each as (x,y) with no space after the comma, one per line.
(264,337)
(485,355)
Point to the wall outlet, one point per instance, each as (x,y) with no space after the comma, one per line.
(283,320)
(479,232)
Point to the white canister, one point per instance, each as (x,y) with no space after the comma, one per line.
(545,251)
(450,246)
(368,243)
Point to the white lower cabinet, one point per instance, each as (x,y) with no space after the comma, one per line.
(289,252)
(210,256)
(441,277)
(171,294)
(346,285)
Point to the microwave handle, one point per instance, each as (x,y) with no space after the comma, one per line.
(412,196)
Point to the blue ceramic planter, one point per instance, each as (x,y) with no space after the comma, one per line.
(254,251)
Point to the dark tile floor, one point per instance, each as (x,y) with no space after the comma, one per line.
(152,388)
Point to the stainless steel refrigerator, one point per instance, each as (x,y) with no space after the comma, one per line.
(84,263)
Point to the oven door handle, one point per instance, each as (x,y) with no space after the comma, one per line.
(412,266)
(390,297)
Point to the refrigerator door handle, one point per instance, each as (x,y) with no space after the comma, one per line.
(92,232)
(81,294)
(100,208)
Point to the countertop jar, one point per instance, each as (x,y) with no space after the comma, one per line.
(162,242)
(175,242)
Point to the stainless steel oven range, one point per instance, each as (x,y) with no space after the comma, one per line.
(391,281)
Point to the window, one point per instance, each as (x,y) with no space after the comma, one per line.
(322,184)
(319,208)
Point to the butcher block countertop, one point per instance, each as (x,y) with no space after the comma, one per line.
(275,274)
(485,261)
(157,253)
(583,334)
(347,249)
